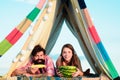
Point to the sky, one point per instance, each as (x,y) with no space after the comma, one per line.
(105,15)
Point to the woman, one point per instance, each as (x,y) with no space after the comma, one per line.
(68,57)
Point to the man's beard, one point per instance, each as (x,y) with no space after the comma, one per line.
(39,61)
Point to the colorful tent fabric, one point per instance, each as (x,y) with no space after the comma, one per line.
(16,33)
(47,30)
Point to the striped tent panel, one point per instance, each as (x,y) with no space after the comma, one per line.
(40,34)
(113,73)
(107,60)
(4,46)
(33,14)
(16,33)
(14,36)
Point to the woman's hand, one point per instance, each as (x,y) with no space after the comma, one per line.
(58,73)
(77,73)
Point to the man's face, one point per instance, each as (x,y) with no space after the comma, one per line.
(39,58)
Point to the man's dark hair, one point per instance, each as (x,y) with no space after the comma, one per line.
(36,49)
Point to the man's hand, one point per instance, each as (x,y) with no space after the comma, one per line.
(18,72)
(32,70)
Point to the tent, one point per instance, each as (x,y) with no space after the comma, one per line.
(45,32)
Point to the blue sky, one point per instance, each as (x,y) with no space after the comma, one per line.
(105,15)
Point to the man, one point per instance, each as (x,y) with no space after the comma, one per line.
(38,56)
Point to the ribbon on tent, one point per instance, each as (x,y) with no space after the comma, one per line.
(17,32)
(40,34)
(111,69)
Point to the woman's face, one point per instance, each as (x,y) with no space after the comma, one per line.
(67,54)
